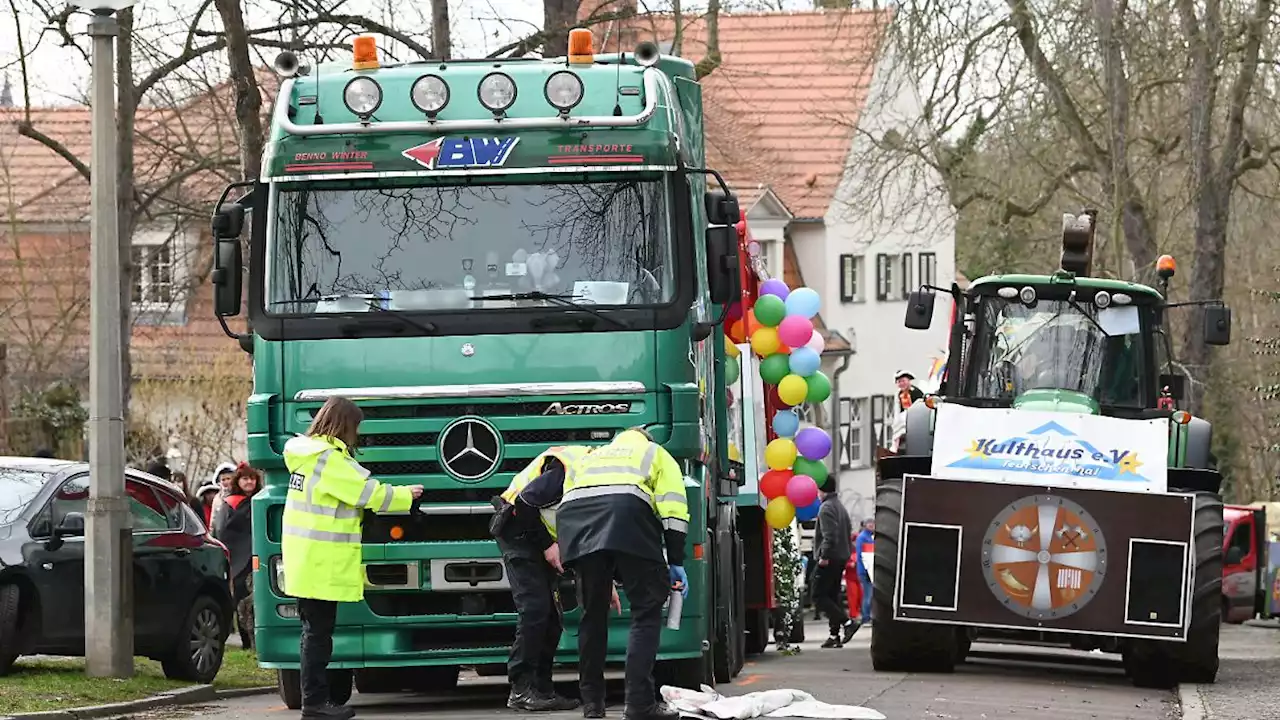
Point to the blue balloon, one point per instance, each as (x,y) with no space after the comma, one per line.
(803,302)
(805,514)
(786,423)
(804,361)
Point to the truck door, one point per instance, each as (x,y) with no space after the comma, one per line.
(1239,572)
(1261,564)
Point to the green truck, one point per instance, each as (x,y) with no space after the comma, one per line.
(491,257)
(1053,494)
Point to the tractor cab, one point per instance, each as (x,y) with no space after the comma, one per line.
(1065,342)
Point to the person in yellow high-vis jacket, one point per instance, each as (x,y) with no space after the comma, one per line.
(525,528)
(321,537)
(623,504)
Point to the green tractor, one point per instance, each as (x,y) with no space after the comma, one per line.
(1052,493)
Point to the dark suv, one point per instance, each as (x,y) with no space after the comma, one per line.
(181,594)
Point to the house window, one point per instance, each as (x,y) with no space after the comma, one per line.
(159,275)
(928,269)
(906,275)
(853,421)
(153,275)
(885,265)
(850,278)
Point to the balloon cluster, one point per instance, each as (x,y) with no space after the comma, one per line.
(781,332)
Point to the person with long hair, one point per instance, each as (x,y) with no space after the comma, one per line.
(321,537)
(235,530)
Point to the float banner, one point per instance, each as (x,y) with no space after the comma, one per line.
(1072,450)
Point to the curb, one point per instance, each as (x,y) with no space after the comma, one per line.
(185,696)
(1191,703)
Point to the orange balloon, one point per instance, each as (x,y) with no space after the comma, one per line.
(752,323)
(736,332)
(783,349)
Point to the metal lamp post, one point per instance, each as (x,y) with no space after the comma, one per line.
(108,567)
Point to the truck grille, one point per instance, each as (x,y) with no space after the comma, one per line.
(434,528)
(432,467)
(449,410)
(567,435)
(428,603)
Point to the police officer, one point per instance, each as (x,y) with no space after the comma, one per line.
(524,526)
(320,543)
(623,503)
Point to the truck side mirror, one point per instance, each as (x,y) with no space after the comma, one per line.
(1217,325)
(228,272)
(722,209)
(920,309)
(228,221)
(1177,385)
(722,264)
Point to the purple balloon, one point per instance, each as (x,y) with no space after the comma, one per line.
(813,443)
(774,286)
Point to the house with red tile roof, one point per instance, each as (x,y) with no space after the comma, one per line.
(790,110)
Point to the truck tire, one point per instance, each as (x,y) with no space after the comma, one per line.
(289,687)
(688,673)
(10,635)
(1156,664)
(900,646)
(757,631)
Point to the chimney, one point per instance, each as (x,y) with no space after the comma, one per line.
(6,93)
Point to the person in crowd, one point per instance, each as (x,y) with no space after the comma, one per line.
(623,503)
(908,393)
(236,532)
(525,528)
(160,469)
(223,476)
(852,586)
(321,538)
(180,481)
(832,550)
(44,452)
(864,552)
(202,503)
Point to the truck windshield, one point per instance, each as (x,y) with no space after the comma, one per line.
(344,249)
(1059,345)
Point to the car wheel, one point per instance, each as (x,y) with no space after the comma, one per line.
(10,607)
(197,656)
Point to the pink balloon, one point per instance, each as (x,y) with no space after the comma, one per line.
(795,331)
(802,490)
(816,343)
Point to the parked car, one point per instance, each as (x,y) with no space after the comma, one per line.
(181,591)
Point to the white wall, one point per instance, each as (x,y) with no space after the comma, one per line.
(876,211)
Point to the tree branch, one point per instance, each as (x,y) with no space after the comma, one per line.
(27,130)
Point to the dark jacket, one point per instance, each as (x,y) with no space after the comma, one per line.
(525,530)
(832,537)
(235,530)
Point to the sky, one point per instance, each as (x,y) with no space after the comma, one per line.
(59,75)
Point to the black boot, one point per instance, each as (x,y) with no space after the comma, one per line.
(592,709)
(658,711)
(542,702)
(328,711)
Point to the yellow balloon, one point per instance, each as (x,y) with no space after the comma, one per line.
(792,389)
(729,348)
(765,341)
(780,454)
(779,513)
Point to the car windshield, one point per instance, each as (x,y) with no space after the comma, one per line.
(17,489)
(450,247)
(1054,344)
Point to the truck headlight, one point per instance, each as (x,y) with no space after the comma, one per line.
(430,94)
(362,96)
(497,91)
(276,570)
(563,90)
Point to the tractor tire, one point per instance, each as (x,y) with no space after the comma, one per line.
(1163,665)
(757,631)
(898,646)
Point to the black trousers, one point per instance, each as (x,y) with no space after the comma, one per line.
(826,593)
(647,584)
(538,629)
(318,619)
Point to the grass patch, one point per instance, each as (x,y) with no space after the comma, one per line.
(58,684)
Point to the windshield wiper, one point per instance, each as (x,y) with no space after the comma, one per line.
(1071,300)
(562,300)
(426,327)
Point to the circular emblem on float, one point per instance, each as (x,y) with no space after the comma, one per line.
(1044,557)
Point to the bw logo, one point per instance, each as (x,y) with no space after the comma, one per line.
(295,482)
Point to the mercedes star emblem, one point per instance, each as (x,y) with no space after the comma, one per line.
(468,349)
(470,449)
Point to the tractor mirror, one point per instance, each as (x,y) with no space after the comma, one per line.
(1217,325)
(722,209)
(1176,384)
(228,221)
(920,309)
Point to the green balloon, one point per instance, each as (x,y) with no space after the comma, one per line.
(819,388)
(769,310)
(731,370)
(815,469)
(775,367)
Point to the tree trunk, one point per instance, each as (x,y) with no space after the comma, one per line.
(441,42)
(248,96)
(558,17)
(126,111)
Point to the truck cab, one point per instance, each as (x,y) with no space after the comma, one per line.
(1244,563)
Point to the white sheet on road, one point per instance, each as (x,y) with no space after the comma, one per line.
(769,703)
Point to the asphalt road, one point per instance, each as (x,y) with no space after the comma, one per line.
(998,682)
(1249,663)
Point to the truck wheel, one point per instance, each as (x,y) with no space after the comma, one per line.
(757,631)
(688,673)
(1156,664)
(289,687)
(10,614)
(372,681)
(900,646)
